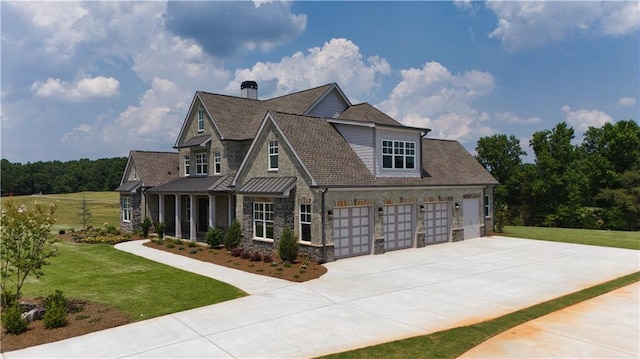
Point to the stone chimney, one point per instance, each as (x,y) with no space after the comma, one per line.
(249,89)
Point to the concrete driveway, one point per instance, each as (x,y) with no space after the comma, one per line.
(360,301)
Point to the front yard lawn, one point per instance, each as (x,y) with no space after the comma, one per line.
(617,239)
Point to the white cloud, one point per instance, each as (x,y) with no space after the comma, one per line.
(528,24)
(626,101)
(433,97)
(511,118)
(338,60)
(83,90)
(83,129)
(581,120)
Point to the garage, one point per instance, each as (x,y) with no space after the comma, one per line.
(471,217)
(398,226)
(437,222)
(352,231)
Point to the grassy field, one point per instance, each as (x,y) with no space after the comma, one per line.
(104,207)
(618,239)
(454,342)
(140,287)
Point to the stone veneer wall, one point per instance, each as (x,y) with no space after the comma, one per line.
(136,213)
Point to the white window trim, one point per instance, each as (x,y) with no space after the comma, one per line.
(395,147)
(264,220)
(273,151)
(302,221)
(217,163)
(200,120)
(202,164)
(487,206)
(126,209)
(187,164)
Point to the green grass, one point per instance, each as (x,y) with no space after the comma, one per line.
(454,342)
(104,207)
(618,239)
(140,287)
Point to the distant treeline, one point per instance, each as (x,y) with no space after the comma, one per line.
(61,177)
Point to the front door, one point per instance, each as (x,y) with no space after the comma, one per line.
(203,214)
(471,217)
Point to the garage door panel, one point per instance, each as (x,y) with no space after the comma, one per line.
(398,226)
(352,237)
(437,222)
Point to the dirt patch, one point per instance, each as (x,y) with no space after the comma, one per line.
(91,317)
(300,271)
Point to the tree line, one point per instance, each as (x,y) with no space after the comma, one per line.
(61,177)
(594,185)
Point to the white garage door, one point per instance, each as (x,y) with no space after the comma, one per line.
(437,222)
(352,231)
(471,215)
(397,224)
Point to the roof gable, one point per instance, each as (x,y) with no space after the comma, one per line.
(365,112)
(153,168)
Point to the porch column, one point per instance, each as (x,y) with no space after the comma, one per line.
(178,217)
(161,208)
(192,220)
(212,211)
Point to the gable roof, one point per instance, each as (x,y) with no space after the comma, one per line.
(153,168)
(365,112)
(195,184)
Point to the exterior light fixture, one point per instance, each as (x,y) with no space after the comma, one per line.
(422,209)
(330,215)
(457,206)
(380,211)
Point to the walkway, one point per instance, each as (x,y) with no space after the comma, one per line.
(360,301)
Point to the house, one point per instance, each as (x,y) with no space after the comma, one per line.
(348,179)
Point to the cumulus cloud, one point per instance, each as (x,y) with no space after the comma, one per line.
(83,129)
(528,24)
(433,97)
(227,28)
(581,120)
(626,101)
(338,60)
(511,118)
(83,90)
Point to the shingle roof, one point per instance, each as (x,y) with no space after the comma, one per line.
(365,112)
(239,118)
(155,168)
(332,162)
(268,185)
(195,184)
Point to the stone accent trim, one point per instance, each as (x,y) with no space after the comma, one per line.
(400,200)
(354,203)
(438,199)
(472,195)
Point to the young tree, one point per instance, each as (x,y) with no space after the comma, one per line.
(26,245)
(84,213)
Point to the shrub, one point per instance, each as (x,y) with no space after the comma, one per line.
(245,255)
(236,252)
(193,251)
(12,320)
(233,236)
(267,258)
(170,245)
(56,314)
(192,244)
(214,237)
(145,226)
(255,257)
(288,246)
(160,230)
(62,231)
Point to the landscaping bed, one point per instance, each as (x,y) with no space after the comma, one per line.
(299,271)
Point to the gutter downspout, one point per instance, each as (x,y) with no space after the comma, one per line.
(323,221)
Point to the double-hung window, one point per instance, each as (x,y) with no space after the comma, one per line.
(216,163)
(200,120)
(263,220)
(398,154)
(487,206)
(186,165)
(273,155)
(202,163)
(126,209)
(305,222)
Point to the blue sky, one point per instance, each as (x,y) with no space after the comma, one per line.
(95,80)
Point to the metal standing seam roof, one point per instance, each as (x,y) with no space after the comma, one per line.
(195,185)
(268,185)
(196,141)
(129,186)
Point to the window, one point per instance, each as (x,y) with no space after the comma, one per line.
(202,163)
(305,222)
(200,120)
(186,165)
(398,154)
(187,208)
(216,163)
(487,206)
(263,220)
(135,173)
(273,155)
(126,209)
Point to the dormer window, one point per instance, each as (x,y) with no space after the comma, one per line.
(273,155)
(200,120)
(398,154)
(202,164)
(187,161)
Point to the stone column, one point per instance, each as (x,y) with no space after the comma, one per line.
(378,231)
(192,221)
(420,230)
(212,211)
(178,218)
